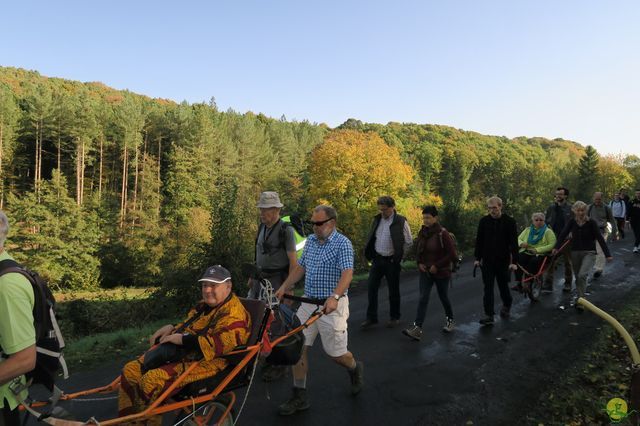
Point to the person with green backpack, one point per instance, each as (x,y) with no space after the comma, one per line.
(275,255)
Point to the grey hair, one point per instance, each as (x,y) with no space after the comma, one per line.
(4,228)
(494,199)
(537,214)
(578,205)
(330,211)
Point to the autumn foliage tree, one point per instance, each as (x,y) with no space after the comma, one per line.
(350,170)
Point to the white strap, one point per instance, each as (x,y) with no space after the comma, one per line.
(63,363)
(48,352)
(56,328)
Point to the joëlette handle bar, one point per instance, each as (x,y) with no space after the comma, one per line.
(564,244)
(312,301)
(475,268)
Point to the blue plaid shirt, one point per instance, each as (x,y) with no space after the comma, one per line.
(324,263)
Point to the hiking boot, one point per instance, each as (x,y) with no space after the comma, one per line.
(488,320)
(597,274)
(298,402)
(271,373)
(357,378)
(414,332)
(449,325)
(368,323)
(505,312)
(393,323)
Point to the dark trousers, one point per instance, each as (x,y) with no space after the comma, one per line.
(384,267)
(9,417)
(636,232)
(620,223)
(501,275)
(565,255)
(530,262)
(426,284)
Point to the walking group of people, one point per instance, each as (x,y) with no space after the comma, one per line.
(574,233)
(327,263)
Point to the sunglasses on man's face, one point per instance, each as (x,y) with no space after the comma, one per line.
(320,222)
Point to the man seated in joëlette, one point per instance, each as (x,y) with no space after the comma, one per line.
(215,326)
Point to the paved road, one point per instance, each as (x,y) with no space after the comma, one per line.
(487,375)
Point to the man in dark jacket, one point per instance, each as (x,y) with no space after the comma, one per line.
(634,219)
(389,238)
(496,252)
(557,216)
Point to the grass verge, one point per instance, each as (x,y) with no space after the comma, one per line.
(92,351)
(601,373)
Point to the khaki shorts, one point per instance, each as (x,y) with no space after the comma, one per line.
(332,328)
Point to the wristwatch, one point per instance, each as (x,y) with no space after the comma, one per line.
(335,296)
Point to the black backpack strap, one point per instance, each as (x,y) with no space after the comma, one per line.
(40,306)
(6,264)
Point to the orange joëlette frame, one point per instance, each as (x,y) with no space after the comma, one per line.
(157,407)
(547,260)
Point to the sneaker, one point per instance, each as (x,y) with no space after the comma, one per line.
(298,402)
(504,312)
(414,332)
(636,249)
(488,320)
(449,325)
(566,289)
(597,274)
(368,323)
(393,323)
(271,373)
(357,378)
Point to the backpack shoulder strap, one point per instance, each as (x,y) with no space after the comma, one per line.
(440,236)
(7,266)
(282,234)
(255,245)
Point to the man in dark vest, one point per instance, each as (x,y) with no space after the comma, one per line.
(389,238)
(558,215)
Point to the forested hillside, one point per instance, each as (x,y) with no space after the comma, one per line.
(106,187)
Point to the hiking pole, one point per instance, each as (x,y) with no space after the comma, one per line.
(635,355)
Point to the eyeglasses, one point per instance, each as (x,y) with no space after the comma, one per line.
(320,222)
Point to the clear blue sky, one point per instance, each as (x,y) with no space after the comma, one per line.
(567,69)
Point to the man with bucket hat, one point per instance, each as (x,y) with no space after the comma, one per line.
(275,255)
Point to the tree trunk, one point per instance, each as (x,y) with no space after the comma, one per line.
(100,173)
(82,155)
(123,196)
(35,167)
(59,158)
(159,177)
(135,189)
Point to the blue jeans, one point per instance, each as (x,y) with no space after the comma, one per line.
(426,283)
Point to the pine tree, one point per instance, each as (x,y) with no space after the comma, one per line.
(587,174)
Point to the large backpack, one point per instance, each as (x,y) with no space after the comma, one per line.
(49,341)
(299,232)
(455,263)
